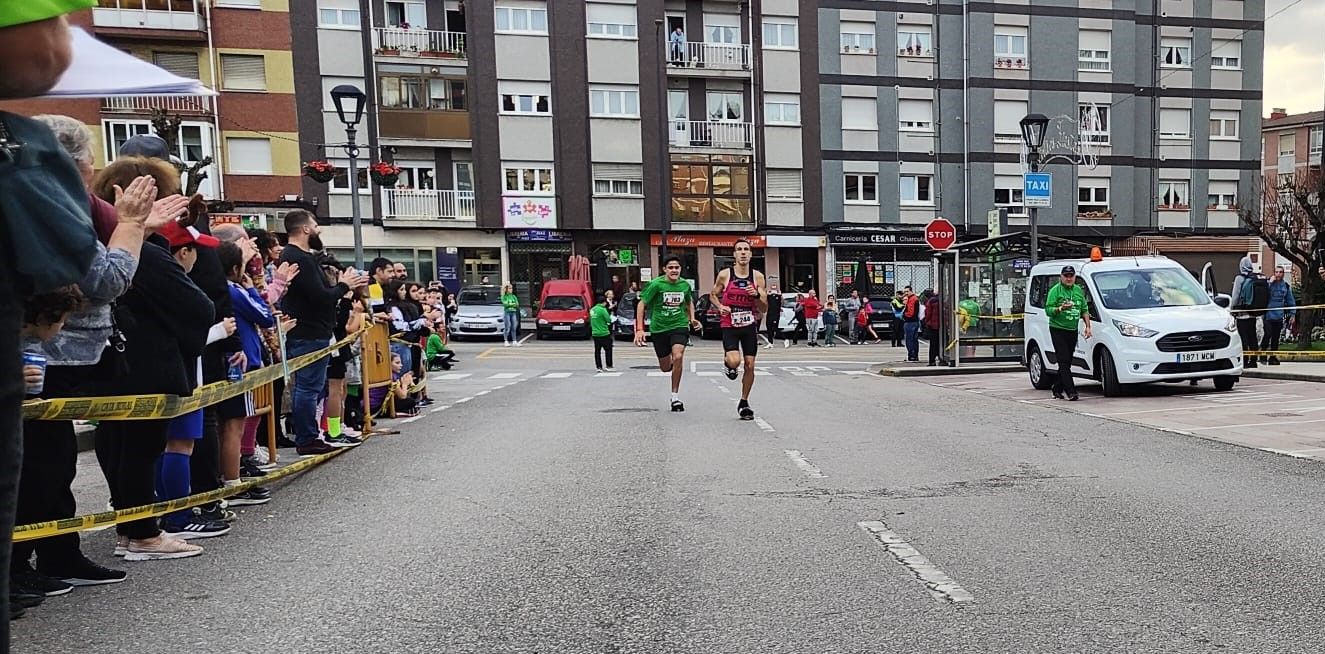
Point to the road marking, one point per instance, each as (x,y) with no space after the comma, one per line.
(790,368)
(723,389)
(557,375)
(855,372)
(453,375)
(484,354)
(656,373)
(411,418)
(1296,454)
(940,585)
(1206,406)
(708,373)
(608,374)
(808,468)
(463,400)
(819,368)
(440,408)
(763,424)
(1258,424)
(526,337)
(505,375)
(481,393)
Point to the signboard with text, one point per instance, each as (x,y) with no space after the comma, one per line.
(940,234)
(1038,189)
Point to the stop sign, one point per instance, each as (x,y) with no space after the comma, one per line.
(940,234)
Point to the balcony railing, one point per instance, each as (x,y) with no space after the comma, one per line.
(423,204)
(148,14)
(712,56)
(410,42)
(711,134)
(133,104)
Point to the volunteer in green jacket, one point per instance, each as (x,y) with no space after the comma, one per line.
(1066,306)
(510,316)
(670,305)
(600,327)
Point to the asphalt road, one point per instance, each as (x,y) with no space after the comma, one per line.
(557,511)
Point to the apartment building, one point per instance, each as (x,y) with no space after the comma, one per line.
(240,48)
(1153,104)
(1292,147)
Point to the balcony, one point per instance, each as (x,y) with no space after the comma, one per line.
(423,205)
(175,15)
(711,134)
(409,42)
(144,104)
(709,59)
(424,125)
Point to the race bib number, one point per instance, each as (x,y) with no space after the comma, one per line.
(743,318)
(673,299)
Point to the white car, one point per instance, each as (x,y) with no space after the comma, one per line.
(1150,321)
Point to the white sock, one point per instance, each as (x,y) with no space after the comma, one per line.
(676,397)
(230,482)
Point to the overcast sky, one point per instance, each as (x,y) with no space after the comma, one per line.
(1295,56)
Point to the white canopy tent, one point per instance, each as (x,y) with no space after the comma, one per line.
(99,70)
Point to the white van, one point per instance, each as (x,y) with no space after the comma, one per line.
(1150,322)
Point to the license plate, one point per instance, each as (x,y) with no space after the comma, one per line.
(474,325)
(1192,357)
(561,328)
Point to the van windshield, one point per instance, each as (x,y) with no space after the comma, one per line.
(563,303)
(1149,289)
(477,296)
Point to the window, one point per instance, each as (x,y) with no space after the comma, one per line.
(117,132)
(1226,55)
(1093,50)
(611,21)
(860,113)
(858,38)
(1175,52)
(417,176)
(1224,124)
(1093,196)
(1314,141)
(1174,195)
(528,179)
(614,102)
(1175,124)
(1007,120)
(915,115)
(917,189)
(861,188)
(780,35)
(1010,47)
(782,109)
(1094,121)
(914,41)
(340,184)
(618,180)
(240,4)
(413,92)
(722,28)
(521,20)
(184,64)
(726,106)
(711,188)
(1008,192)
(243,72)
(783,184)
(248,156)
(338,14)
(1223,195)
(1287,144)
(400,13)
(532,98)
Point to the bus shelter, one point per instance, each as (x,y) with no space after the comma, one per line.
(982,287)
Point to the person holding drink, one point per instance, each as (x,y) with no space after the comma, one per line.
(1066,306)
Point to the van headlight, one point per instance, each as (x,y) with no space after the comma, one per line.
(1232,326)
(1135,331)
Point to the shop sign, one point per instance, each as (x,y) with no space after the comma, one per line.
(626,256)
(245,220)
(448,268)
(708,240)
(877,238)
(526,212)
(539,235)
(775,241)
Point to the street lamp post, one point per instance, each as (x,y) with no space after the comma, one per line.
(1033,127)
(349,107)
(664,125)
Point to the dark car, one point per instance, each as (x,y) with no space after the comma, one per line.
(710,319)
(882,317)
(624,326)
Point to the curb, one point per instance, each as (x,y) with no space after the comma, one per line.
(1283,375)
(941,371)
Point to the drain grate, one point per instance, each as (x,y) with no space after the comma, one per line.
(628,410)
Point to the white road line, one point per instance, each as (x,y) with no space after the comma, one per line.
(1207,406)
(439,408)
(657,373)
(481,393)
(527,337)
(463,400)
(607,374)
(723,389)
(557,375)
(708,373)
(763,424)
(1258,424)
(855,372)
(505,375)
(808,468)
(804,374)
(411,419)
(818,368)
(940,585)
(453,375)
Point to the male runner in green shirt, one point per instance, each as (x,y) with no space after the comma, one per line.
(670,304)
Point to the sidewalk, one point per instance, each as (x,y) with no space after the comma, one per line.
(1312,371)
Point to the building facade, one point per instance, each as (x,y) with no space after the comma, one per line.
(1292,146)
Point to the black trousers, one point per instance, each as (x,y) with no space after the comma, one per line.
(11,434)
(1272,328)
(897,332)
(205,463)
(772,329)
(127,451)
(1065,345)
(50,462)
(602,344)
(932,335)
(1247,332)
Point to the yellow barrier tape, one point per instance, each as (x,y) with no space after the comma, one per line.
(76,524)
(1303,306)
(151,407)
(1285,354)
(1010,316)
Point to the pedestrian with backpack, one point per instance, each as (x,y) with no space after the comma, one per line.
(1280,308)
(1251,296)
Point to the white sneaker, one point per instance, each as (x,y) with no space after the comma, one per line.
(260,456)
(769,346)
(519,344)
(609,369)
(786,344)
(506,344)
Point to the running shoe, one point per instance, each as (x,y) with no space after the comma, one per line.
(730,372)
(191,530)
(745,411)
(677,406)
(251,497)
(83,572)
(27,580)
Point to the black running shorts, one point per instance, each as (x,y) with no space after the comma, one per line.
(663,341)
(745,339)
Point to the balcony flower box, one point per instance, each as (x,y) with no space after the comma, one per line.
(1095,215)
(1175,207)
(320,171)
(384,174)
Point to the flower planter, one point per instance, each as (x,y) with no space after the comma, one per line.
(320,171)
(390,52)
(387,181)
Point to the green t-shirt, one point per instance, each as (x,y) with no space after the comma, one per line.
(509,302)
(1069,317)
(666,303)
(22,12)
(600,321)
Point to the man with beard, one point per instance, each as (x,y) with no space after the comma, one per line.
(312,302)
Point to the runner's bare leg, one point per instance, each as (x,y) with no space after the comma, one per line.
(748,379)
(678,366)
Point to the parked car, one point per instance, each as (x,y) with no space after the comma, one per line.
(479,313)
(623,328)
(710,319)
(564,309)
(1150,322)
(882,317)
(787,316)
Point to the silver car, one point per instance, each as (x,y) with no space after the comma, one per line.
(479,313)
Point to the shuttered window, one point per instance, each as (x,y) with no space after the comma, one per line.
(618,179)
(784,184)
(243,72)
(184,64)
